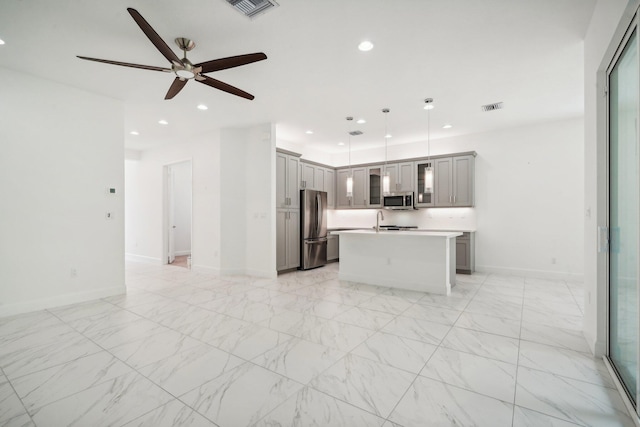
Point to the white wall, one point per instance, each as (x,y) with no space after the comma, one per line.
(604,22)
(182,207)
(144,201)
(233,201)
(61,149)
(529,197)
(248,208)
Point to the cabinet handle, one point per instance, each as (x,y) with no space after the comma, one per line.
(454,200)
(450,201)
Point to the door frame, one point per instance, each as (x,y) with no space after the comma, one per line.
(626,26)
(166,200)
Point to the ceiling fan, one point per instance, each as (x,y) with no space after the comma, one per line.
(183,68)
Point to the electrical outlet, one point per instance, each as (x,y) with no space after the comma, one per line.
(553,260)
(73,273)
(109,215)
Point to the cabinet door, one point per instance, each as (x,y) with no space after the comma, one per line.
(374,187)
(405,177)
(293,182)
(423,199)
(342,201)
(330,187)
(463,255)
(282,197)
(293,239)
(443,182)
(359,188)
(308,176)
(281,239)
(318,180)
(463,181)
(333,248)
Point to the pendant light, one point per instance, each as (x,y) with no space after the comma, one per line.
(386,179)
(428,171)
(350,177)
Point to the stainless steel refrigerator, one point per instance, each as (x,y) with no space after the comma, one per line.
(313,229)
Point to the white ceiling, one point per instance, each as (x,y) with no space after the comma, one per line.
(462,53)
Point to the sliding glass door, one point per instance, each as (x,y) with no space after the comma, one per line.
(624,214)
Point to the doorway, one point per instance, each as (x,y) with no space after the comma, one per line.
(623,81)
(177,224)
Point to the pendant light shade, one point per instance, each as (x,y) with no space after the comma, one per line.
(386,183)
(350,177)
(428,179)
(386,179)
(428,172)
(350,185)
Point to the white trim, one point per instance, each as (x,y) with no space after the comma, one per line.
(625,398)
(182,253)
(205,269)
(142,258)
(598,347)
(60,300)
(262,273)
(540,274)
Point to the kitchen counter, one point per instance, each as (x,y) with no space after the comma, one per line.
(415,260)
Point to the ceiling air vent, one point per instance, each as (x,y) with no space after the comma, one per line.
(491,107)
(252,8)
(355,133)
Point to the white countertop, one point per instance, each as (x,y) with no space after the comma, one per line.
(447,234)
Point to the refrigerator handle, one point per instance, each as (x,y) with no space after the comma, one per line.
(319,213)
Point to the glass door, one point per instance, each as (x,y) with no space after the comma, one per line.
(624,199)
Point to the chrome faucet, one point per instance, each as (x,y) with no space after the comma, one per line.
(379,216)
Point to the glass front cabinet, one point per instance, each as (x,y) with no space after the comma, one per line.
(424,197)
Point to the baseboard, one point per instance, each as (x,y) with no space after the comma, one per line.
(59,301)
(142,258)
(262,273)
(540,274)
(598,347)
(205,269)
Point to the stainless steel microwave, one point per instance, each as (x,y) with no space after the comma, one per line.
(399,201)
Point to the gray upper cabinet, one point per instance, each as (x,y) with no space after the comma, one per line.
(423,198)
(359,199)
(330,187)
(318,180)
(374,188)
(308,176)
(287,181)
(454,181)
(400,176)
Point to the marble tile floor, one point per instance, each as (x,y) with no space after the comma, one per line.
(183,348)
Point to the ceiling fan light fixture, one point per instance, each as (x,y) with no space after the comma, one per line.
(185,74)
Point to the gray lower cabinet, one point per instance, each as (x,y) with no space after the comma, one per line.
(333,247)
(465,253)
(287,239)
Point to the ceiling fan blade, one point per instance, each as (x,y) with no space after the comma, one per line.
(224,87)
(176,87)
(153,36)
(230,62)
(126,64)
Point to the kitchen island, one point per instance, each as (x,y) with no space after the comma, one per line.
(415,260)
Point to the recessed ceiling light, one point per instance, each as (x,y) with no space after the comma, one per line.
(163,122)
(447,126)
(1,41)
(134,132)
(202,107)
(340,143)
(361,121)
(309,132)
(388,135)
(365,46)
